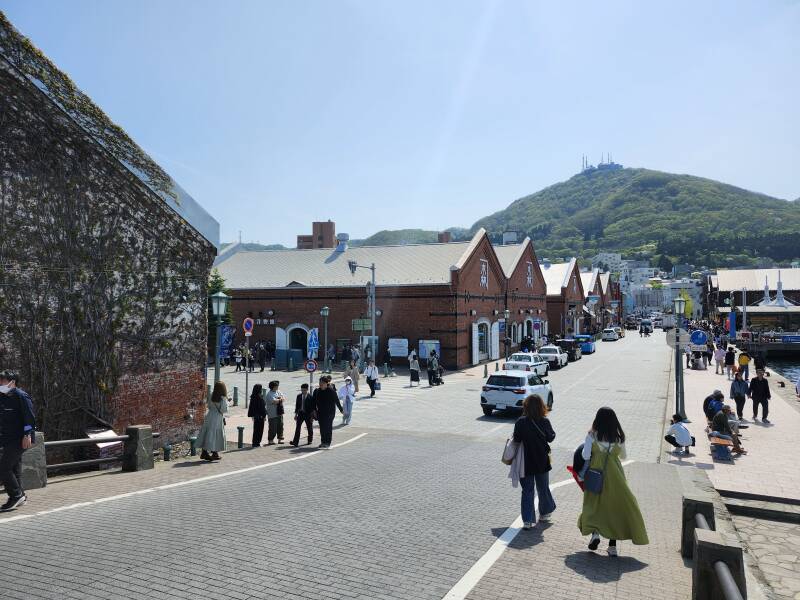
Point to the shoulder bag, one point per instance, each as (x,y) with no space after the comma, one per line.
(546,443)
(509,452)
(593,480)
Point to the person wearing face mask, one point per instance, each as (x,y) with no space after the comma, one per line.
(17,434)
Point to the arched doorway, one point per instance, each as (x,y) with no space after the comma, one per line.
(483,341)
(529,328)
(298,339)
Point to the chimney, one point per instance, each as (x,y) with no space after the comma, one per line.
(342,240)
(445,237)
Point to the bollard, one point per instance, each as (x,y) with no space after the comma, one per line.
(385,369)
(496,367)
(291,364)
(235,396)
(272,365)
(137,450)
(192,445)
(167,451)
(240,440)
(485,370)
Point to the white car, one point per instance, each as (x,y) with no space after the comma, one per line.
(610,335)
(505,390)
(554,355)
(527,361)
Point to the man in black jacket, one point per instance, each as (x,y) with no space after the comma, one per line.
(303,413)
(17,432)
(325,402)
(759,392)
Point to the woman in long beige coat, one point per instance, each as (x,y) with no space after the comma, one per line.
(352,372)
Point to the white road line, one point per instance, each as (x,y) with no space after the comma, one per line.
(175,485)
(471,578)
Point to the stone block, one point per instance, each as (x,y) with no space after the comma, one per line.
(709,548)
(34,465)
(137,454)
(694,503)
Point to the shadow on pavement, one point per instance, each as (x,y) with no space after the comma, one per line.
(599,568)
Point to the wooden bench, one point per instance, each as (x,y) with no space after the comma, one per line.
(720,448)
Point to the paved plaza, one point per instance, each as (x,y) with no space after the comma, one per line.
(410,503)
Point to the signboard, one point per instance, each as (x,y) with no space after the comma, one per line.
(247,324)
(425,347)
(227,333)
(310,365)
(248,334)
(699,338)
(593,299)
(502,325)
(398,347)
(697,347)
(362,324)
(790,339)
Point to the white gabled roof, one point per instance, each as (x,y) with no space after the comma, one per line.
(605,279)
(733,280)
(413,264)
(556,276)
(588,279)
(510,254)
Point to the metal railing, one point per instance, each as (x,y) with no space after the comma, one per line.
(87,442)
(725,578)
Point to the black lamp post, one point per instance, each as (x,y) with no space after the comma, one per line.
(680,306)
(219,306)
(325,311)
(507,315)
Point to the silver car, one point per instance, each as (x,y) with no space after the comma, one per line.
(527,361)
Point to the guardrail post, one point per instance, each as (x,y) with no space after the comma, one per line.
(240,440)
(34,465)
(709,548)
(692,505)
(137,453)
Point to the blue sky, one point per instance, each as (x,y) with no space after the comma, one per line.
(382,115)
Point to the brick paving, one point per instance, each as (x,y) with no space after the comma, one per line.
(767,469)
(402,512)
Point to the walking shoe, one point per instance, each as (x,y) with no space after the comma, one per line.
(205,455)
(215,456)
(594,542)
(14,503)
(612,551)
(766,420)
(321,446)
(527,525)
(545,517)
(295,444)
(280,441)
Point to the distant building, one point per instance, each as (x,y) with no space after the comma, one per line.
(606,164)
(610,261)
(771,297)
(323,235)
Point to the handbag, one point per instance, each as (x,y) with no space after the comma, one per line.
(593,480)
(377,385)
(509,452)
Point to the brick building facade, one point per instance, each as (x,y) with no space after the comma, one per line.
(104,262)
(565,298)
(454,294)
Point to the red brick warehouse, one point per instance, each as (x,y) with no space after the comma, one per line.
(453,294)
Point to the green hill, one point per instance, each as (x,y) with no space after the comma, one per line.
(646,214)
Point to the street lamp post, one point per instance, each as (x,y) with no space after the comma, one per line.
(507,315)
(680,305)
(353,265)
(325,311)
(219,306)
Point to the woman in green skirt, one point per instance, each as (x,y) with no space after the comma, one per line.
(613,513)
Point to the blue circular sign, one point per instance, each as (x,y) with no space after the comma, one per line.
(699,338)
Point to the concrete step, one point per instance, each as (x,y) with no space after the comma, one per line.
(785,510)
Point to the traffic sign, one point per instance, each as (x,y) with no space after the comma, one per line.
(248,333)
(683,338)
(247,324)
(699,337)
(310,365)
(313,339)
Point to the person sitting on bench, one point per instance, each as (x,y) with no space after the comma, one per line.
(713,404)
(679,436)
(721,428)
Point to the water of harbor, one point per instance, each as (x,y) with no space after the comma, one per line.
(788,367)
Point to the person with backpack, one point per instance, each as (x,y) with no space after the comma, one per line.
(433,369)
(739,393)
(744,364)
(730,360)
(610,509)
(534,431)
(17,434)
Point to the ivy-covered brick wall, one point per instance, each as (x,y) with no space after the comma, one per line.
(102,285)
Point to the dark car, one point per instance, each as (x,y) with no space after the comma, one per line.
(572,347)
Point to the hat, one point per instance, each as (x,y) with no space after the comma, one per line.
(348,378)
(718,394)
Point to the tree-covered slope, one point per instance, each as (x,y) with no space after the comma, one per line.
(644,213)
